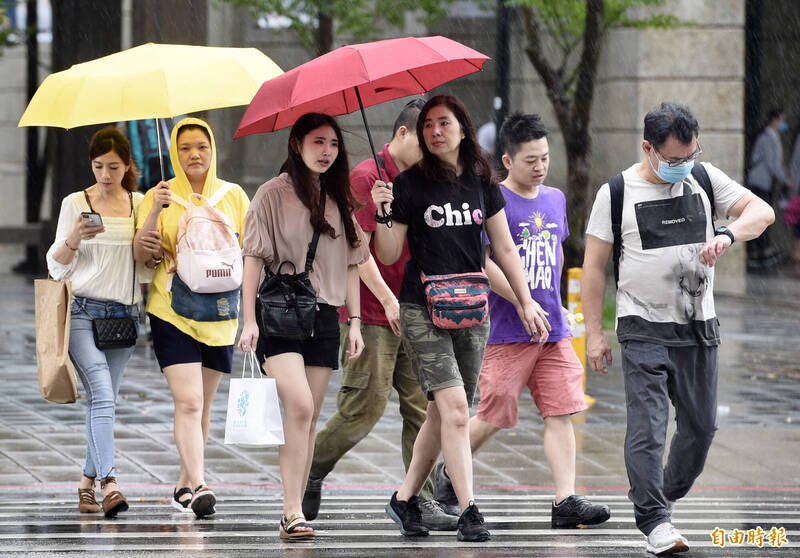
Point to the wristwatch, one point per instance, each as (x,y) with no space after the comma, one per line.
(726,231)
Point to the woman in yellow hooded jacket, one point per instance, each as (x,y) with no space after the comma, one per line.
(193,354)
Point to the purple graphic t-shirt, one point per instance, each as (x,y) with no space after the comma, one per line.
(538,227)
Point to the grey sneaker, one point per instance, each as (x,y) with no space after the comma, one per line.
(443,491)
(435,518)
(577,510)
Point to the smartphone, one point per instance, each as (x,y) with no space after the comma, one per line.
(92,218)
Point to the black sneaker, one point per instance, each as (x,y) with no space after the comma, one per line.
(443,491)
(407,516)
(577,510)
(471,527)
(312,498)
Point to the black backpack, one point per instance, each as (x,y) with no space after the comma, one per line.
(616,188)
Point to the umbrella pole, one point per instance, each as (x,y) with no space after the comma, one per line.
(160,156)
(372,147)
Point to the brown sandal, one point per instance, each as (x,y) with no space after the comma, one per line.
(87,501)
(289,527)
(113,502)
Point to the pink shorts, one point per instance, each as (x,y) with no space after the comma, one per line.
(552,372)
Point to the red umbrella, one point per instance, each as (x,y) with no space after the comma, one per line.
(356,76)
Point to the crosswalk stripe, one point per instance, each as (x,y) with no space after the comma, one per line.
(355,522)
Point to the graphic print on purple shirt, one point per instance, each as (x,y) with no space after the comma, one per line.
(538,227)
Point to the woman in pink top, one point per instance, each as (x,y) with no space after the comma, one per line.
(279,227)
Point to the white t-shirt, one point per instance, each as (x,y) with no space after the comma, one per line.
(102,267)
(665,295)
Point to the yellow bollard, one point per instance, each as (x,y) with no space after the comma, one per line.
(575,319)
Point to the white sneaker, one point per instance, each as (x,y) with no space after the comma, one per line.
(665,539)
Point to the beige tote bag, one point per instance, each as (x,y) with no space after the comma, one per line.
(57,378)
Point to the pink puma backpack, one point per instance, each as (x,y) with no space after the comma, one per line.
(209,259)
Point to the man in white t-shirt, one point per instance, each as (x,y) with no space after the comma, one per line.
(666,323)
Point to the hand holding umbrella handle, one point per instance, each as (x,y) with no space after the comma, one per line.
(387,214)
(162,194)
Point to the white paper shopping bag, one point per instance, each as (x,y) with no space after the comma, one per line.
(254,414)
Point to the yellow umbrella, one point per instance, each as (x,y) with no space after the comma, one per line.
(149,81)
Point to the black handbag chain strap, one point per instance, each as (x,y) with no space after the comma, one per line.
(133,259)
(483,227)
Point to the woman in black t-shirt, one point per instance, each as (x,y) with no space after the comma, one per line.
(439,204)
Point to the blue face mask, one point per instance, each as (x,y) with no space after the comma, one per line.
(672,174)
(783,127)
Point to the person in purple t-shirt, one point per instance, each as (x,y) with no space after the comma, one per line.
(548,366)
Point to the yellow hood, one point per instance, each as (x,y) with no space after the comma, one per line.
(180,184)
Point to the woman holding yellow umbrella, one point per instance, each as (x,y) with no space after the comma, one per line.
(193,352)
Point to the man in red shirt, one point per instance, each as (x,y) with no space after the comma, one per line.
(367,381)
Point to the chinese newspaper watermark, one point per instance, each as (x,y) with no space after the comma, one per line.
(775,537)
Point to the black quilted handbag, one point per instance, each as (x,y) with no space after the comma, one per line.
(288,301)
(114,333)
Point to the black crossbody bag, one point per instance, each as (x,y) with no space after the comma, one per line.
(114,333)
(288,302)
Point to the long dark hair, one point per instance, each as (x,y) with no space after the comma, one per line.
(470,155)
(335,181)
(110,139)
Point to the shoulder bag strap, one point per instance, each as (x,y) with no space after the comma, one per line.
(700,174)
(483,227)
(616,187)
(86,195)
(133,258)
(217,196)
(312,247)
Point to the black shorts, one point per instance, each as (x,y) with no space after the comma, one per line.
(322,350)
(172,346)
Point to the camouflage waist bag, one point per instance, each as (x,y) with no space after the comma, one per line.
(457,300)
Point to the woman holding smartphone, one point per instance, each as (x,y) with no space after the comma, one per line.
(93,249)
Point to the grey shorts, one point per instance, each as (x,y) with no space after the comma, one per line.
(442,358)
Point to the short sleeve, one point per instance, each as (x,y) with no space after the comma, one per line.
(359,254)
(599,224)
(565,224)
(726,190)
(361,180)
(257,242)
(67,218)
(244,207)
(494,199)
(400,205)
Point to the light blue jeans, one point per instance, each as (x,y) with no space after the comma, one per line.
(101,374)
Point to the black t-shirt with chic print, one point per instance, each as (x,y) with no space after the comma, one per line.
(444,225)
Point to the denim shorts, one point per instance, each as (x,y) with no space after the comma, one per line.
(172,346)
(322,350)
